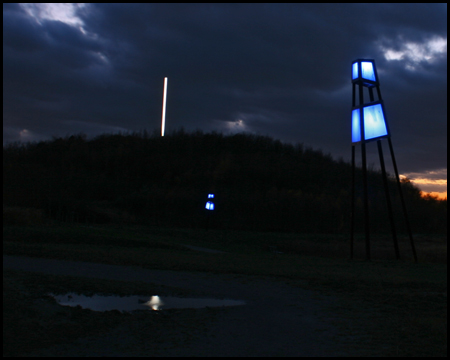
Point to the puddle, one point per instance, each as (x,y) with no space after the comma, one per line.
(130,303)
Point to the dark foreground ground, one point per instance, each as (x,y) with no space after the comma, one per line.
(297,303)
(279,319)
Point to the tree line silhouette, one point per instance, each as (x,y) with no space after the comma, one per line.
(259,184)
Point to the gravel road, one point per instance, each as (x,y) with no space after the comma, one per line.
(279,319)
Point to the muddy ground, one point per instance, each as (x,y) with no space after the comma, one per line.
(280,317)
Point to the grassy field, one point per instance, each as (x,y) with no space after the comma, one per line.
(411,297)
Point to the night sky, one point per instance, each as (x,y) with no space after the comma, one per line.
(282,70)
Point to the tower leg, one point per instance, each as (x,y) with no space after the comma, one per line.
(366,200)
(352,215)
(408,227)
(388,200)
(364,171)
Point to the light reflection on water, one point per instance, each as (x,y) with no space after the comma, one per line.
(130,303)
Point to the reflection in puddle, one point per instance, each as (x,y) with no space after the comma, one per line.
(130,303)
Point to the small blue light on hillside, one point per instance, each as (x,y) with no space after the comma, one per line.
(209,204)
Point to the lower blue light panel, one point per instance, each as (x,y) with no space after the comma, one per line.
(356,131)
(209,205)
(374,123)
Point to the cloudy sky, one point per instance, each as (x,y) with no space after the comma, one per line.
(282,70)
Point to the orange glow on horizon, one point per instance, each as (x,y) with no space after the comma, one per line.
(431,183)
(438,195)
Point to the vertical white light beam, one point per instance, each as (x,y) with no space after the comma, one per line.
(163,121)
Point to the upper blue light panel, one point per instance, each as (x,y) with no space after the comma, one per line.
(363,70)
(367,71)
(355,70)
(210,196)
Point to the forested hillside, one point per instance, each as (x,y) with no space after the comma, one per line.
(259,184)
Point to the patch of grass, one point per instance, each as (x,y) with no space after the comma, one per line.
(80,235)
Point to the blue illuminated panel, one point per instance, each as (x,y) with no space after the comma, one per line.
(210,196)
(356,131)
(367,71)
(355,70)
(209,205)
(374,122)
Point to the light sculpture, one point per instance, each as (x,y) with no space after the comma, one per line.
(163,120)
(369,123)
(210,204)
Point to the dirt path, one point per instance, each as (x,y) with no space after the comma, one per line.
(279,319)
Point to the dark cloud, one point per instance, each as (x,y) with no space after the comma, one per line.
(274,69)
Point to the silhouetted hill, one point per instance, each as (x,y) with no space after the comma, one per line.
(259,183)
